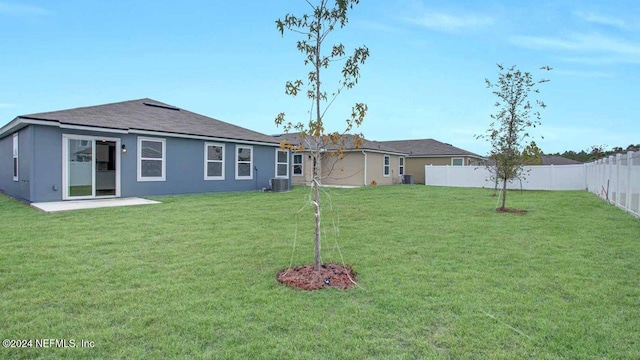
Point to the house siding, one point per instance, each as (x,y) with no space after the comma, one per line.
(350,170)
(347,171)
(307,170)
(185,169)
(19,189)
(40,161)
(375,163)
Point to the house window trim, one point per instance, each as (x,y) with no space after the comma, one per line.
(15,159)
(293,162)
(207,161)
(163,159)
(237,162)
(401,165)
(457,158)
(386,168)
(286,176)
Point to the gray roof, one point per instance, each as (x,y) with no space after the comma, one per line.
(371,145)
(428,147)
(150,115)
(558,160)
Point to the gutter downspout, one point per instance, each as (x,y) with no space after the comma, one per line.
(365,167)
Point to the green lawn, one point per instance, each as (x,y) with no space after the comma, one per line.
(441,276)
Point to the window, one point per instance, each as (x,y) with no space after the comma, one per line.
(457,162)
(213,161)
(297,164)
(401,167)
(282,163)
(15,157)
(244,162)
(151,159)
(386,169)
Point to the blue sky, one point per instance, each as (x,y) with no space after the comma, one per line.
(424,79)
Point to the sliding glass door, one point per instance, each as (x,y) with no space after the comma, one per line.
(81,155)
(91,167)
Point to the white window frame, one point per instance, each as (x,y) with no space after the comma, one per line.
(293,173)
(207,161)
(401,161)
(163,159)
(457,158)
(285,176)
(15,163)
(386,166)
(238,177)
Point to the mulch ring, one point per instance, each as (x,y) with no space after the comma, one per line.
(328,276)
(512,211)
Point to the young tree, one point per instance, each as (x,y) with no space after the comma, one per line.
(532,155)
(314,29)
(509,128)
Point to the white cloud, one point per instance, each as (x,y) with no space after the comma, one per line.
(598,46)
(443,22)
(600,60)
(601,19)
(586,74)
(20,9)
(376,26)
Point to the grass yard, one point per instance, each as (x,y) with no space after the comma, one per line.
(441,276)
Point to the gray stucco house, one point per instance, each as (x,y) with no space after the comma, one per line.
(132,148)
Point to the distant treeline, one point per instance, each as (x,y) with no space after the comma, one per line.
(596,152)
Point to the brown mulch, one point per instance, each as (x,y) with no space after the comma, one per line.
(328,276)
(512,211)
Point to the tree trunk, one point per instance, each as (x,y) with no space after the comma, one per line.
(316,212)
(504,192)
(316,175)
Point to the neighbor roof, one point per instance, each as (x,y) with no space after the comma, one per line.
(370,145)
(558,160)
(428,147)
(148,115)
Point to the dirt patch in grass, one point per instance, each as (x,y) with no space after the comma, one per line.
(328,276)
(512,211)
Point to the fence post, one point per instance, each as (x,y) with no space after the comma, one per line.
(628,197)
(601,170)
(608,178)
(618,158)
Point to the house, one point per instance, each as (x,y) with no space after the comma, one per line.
(422,152)
(372,162)
(132,148)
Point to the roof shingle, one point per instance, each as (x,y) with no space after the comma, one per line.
(428,147)
(295,139)
(150,115)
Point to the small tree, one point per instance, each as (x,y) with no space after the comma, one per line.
(509,128)
(532,155)
(314,29)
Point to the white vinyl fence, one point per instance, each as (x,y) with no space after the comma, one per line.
(541,177)
(615,179)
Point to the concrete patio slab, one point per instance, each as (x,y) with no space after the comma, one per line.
(56,206)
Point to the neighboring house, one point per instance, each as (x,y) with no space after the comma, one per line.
(422,152)
(558,160)
(372,162)
(132,148)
